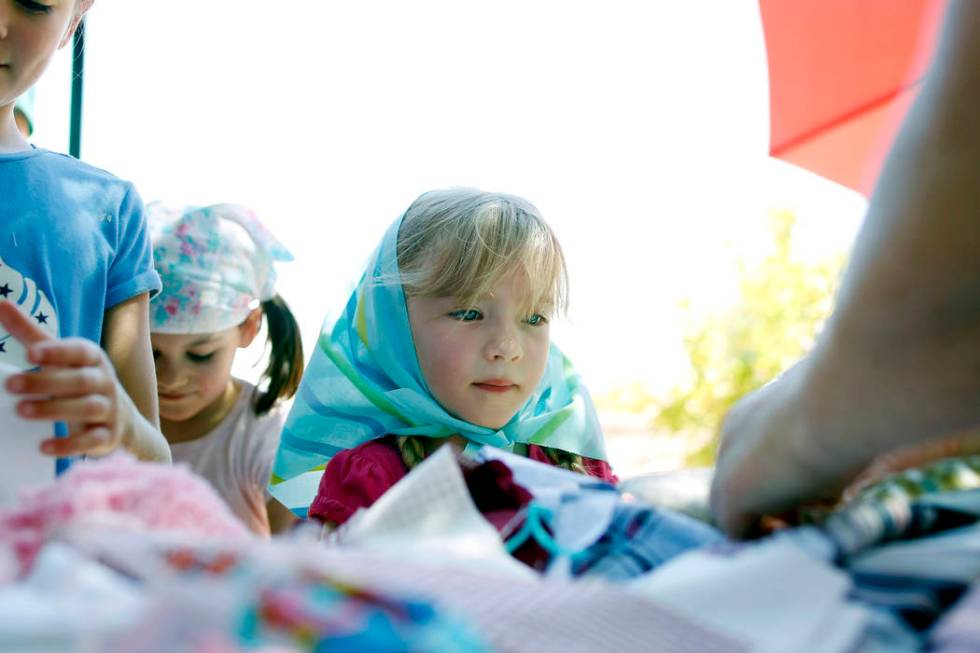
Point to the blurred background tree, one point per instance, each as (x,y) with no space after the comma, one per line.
(782,303)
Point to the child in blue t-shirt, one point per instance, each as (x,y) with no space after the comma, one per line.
(76,269)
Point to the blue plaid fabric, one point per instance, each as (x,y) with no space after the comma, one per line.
(640,539)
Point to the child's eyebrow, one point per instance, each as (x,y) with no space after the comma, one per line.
(202,341)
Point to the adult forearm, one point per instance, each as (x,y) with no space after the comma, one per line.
(900,358)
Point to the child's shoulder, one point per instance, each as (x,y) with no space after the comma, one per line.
(65,165)
(61,175)
(61,186)
(54,193)
(265,425)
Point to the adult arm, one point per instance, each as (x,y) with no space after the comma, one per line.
(899,360)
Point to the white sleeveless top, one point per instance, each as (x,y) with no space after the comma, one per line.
(236,457)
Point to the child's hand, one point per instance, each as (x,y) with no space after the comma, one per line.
(76,384)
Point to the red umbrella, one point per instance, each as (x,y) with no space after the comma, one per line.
(842,73)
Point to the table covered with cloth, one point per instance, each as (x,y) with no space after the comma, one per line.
(483,554)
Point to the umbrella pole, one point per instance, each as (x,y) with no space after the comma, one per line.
(75,149)
(77,84)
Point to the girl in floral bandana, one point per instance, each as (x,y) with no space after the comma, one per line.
(445,338)
(217,267)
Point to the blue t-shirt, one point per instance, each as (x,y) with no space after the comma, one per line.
(73,244)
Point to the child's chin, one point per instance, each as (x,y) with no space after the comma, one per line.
(176,415)
(491,423)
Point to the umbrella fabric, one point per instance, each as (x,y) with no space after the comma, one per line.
(842,74)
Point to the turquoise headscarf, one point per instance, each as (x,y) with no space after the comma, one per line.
(364,382)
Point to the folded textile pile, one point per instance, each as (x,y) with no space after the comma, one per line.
(535,614)
(119,555)
(959,631)
(452,525)
(157,594)
(258,595)
(874,574)
(555,521)
(497,552)
(899,538)
(117,493)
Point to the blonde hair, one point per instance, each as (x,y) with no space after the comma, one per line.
(461,242)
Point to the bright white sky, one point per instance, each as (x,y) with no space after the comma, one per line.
(640,130)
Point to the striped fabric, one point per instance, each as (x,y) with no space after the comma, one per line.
(910,541)
(916,599)
(890,509)
(364,382)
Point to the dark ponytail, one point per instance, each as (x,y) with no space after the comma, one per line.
(285,367)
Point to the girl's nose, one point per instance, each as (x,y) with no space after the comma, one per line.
(169,376)
(504,345)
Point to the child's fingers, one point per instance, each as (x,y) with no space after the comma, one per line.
(88,409)
(20,326)
(93,441)
(69,352)
(62,382)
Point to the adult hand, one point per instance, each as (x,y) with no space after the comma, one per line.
(771,461)
(76,384)
(897,362)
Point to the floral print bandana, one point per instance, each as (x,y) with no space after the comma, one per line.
(216,263)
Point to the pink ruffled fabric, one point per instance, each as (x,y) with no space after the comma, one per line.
(120,493)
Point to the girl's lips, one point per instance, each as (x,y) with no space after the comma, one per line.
(495,385)
(166,397)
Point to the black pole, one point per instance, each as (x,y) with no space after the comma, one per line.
(77,84)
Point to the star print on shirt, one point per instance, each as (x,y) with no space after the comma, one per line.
(5,290)
(3,348)
(41,318)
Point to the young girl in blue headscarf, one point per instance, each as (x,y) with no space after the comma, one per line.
(445,338)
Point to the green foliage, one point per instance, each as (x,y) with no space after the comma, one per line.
(782,304)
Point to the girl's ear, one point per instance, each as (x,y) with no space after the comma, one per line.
(248,329)
(83,6)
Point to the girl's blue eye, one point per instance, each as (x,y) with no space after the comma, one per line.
(466,315)
(536,320)
(35,7)
(199,358)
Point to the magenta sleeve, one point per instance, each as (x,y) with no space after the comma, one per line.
(355,478)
